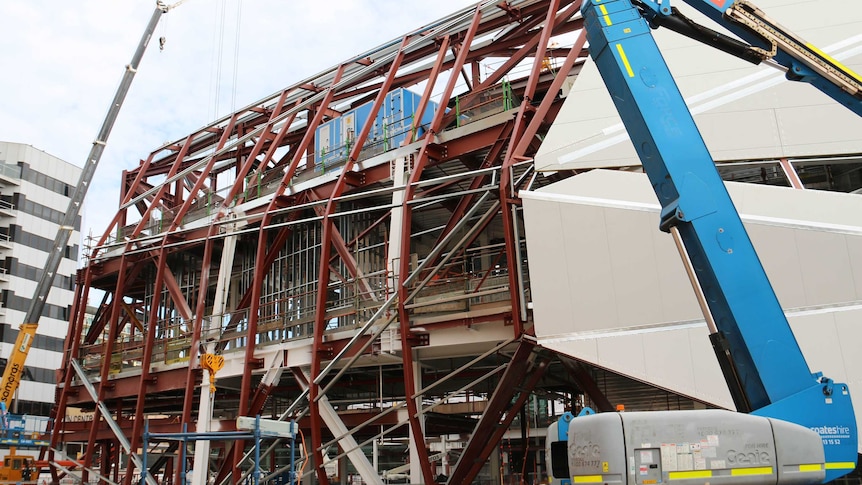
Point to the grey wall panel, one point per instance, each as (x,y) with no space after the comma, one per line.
(779,255)
(824,261)
(818,338)
(589,270)
(678,359)
(849,336)
(743,111)
(625,304)
(626,351)
(632,251)
(854,251)
(546,220)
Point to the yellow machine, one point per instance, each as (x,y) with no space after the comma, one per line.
(17,468)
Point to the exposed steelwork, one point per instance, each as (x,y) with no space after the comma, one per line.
(349,245)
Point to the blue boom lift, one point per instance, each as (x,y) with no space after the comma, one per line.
(801,427)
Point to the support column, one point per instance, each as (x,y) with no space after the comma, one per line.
(205,408)
(342,470)
(400,172)
(790,173)
(415,457)
(205,415)
(330,417)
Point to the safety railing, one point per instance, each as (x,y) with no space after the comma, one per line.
(490,101)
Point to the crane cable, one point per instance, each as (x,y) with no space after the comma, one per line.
(164,28)
(166,8)
(238,30)
(218,43)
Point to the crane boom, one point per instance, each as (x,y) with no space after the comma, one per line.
(43,287)
(27,331)
(15,364)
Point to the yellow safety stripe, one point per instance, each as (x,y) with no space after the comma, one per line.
(625,60)
(835,62)
(587,479)
(691,474)
(811,468)
(763,470)
(841,465)
(606,16)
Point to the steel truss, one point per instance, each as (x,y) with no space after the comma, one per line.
(354,296)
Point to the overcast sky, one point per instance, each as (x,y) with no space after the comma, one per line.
(61,62)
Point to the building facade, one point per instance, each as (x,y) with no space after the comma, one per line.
(35,188)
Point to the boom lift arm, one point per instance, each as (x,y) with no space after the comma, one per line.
(769,41)
(758,353)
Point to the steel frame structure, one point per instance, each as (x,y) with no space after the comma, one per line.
(233,240)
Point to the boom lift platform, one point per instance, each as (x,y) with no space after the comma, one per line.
(801,427)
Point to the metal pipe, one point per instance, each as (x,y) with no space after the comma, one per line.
(106,413)
(364,424)
(386,306)
(692,278)
(519,261)
(465,296)
(439,248)
(463,367)
(466,386)
(445,259)
(356,337)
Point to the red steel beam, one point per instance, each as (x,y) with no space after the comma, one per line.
(120,217)
(587,384)
(144,379)
(514,59)
(544,107)
(791,174)
(325,254)
(161,192)
(404,264)
(206,265)
(491,159)
(518,378)
(260,260)
(519,129)
(106,365)
(349,261)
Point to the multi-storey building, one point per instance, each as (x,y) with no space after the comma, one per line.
(34,193)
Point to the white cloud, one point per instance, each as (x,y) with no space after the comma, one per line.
(61,63)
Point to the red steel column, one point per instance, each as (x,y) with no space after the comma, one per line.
(506,182)
(404,266)
(263,260)
(106,362)
(790,173)
(325,254)
(200,305)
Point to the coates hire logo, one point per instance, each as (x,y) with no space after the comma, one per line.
(832,431)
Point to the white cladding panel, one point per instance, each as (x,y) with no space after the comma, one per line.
(743,111)
(609,288)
